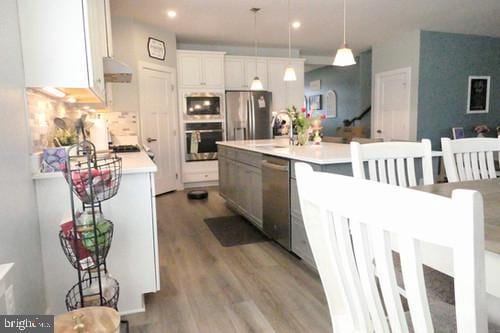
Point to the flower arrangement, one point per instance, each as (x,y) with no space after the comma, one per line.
(301,120)
(303,123)
(481,129)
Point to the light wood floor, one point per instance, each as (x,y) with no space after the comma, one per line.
(209,288)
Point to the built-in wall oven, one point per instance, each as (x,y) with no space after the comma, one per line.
(203,106)
(201,140)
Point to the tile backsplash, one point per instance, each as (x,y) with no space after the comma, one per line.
(121,123)
(43,109)
(41,113)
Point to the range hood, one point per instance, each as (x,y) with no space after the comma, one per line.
(116,71)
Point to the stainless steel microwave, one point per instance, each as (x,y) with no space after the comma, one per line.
(199,106)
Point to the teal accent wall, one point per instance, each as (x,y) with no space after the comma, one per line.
(446,62)
(353,87)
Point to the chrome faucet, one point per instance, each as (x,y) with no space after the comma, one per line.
(276,115)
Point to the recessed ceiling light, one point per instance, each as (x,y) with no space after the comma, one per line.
(296,24)
(171,13)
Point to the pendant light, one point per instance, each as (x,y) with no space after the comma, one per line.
(256,83)
(344,56)
(289,71)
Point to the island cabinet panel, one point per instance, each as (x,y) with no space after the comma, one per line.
(240,182)
(300,243)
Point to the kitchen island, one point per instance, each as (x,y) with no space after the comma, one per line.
(241,168)
(133,257)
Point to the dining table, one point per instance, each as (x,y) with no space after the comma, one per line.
(441,258)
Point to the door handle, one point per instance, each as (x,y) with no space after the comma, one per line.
(277,167)
(150,140)
(379,131)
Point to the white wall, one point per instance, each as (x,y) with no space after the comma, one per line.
(402,51)
(19,230)
(130,40)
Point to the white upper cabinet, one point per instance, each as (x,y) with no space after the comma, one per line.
(240,72)
(286,94)
(200,69)
(235,73)
(64,42)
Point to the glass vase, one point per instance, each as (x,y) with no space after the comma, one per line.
(302,138)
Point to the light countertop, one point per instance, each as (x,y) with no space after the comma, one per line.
(325,153)
(131,163)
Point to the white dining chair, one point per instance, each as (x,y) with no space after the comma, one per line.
(337,224)
(392,162)
(470,159)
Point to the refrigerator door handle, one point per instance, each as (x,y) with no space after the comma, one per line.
(249,124)
(252,116)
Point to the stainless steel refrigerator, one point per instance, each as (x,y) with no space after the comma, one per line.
(248,115)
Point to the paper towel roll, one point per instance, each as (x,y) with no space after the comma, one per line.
(99,134)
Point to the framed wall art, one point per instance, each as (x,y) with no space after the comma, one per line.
(156,48)
(315,102)
(331,104)
(478,99)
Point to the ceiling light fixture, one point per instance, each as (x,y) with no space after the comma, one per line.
(171,13)
(344,56)
(256,82)
(54,92)
(296,24)
(289,71)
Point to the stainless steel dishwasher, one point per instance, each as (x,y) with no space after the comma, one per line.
(275,198)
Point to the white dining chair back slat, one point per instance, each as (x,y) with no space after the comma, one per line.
(346,226)
(470,159)
(392,162)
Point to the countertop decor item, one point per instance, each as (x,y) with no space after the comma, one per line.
(53,159)
(316,129)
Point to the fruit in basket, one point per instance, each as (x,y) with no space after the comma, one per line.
(101,182)
(75,246)
(103,228)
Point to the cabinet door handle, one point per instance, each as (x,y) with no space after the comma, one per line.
(150,140)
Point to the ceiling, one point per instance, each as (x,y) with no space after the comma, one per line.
(368,21)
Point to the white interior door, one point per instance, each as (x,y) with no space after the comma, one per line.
(392,105)
(158,122)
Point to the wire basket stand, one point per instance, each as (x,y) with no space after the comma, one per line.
(86,240)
